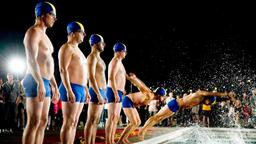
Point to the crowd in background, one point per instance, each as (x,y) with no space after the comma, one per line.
(218,114)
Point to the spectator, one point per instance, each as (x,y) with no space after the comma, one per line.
(206,111)
(11,91)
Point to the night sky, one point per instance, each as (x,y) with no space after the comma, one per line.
(181,46)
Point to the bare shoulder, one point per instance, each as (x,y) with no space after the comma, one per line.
(113,62)
(201,92)
(66,49)
(32,33)
(91,57)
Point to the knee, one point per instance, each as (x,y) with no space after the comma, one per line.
(96,121)
(92,122)
(136,123)
(155,118)
(70,122)
(33,122)
(116,118)
(43,121)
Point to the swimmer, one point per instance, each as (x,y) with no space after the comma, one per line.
(73,88)
(115,90)
(39,82)
(133,100)
(97,90)
(186,102)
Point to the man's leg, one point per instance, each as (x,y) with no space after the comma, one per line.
(33,110)
(115,120)
(43,120)
(78,113)
(164,113)
(109,123)
(69,113)
(94,112)
(134,121)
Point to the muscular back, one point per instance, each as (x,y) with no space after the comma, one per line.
(141,98)
(39,50)
(192,100)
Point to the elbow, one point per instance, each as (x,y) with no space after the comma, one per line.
(91,78)
(62,70)
(111,79)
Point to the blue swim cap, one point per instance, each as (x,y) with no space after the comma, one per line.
(119,47)
(160,91)
(74,27)
(44,8)
(95,38)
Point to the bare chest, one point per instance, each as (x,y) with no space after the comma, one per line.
(45,48)
(78,57)
(100,66)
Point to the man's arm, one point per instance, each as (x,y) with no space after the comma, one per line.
(138,83)
(87,98)
(207,93)
(31,43)
(113,67)
(55,91)
(92,61)
(65,56)
(229,95)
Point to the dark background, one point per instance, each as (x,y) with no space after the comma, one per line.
(179,45)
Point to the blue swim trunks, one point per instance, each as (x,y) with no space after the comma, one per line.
(94,95)
(173,105)
(30,86)
(111,97)
(77,89)
(127,102)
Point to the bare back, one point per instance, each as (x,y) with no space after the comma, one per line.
(191,100)
(77,65)
(39,47)
(141,98)
(120,76)
(196,98)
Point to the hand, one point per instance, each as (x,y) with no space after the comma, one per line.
(71,97)
(117,99)
(101,100)
(87,99)
(55,95)
(124,92)
(41,91)
(231,96)
(132,75)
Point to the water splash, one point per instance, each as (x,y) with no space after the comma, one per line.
(202,135)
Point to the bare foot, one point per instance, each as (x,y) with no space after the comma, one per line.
(141,135)
(126,141)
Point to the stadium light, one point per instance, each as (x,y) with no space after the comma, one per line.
(16,65)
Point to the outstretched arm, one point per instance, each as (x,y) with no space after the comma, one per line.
(230,95)
(207,93)
(138,83)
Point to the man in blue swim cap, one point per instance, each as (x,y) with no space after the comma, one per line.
(187,102)
(39,82)
(43,11)
(115,90)
(131,101)
(97,87)
(73,87)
